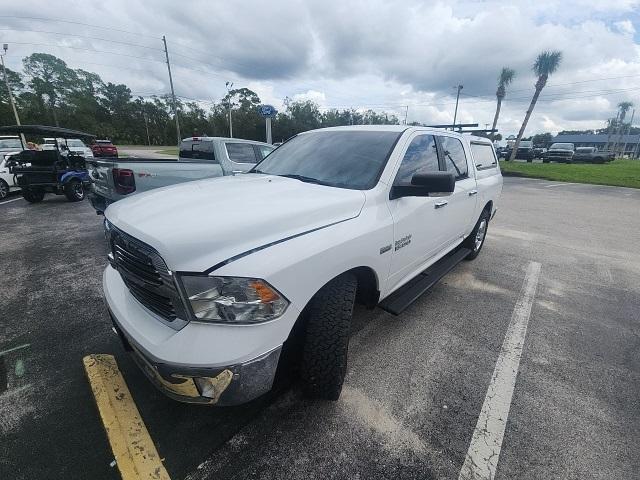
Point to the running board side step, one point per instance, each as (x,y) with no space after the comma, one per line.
(399,300)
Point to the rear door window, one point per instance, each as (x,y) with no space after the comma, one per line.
(455,159)
(241,152)
(197,150)
(483,155)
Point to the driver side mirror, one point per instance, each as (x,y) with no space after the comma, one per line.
(425,185)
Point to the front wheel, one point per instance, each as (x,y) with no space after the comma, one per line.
(33,195)
(74,190)
(326,338)
(4,189)
(475,240)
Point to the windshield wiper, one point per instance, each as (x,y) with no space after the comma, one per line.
(302,178)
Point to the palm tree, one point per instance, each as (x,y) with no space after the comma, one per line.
(505,78)
(623,108)
(546,64)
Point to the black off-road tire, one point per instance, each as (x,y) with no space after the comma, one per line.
(326,338)
(74,191)
(471,241)
(4,189)
(33,195)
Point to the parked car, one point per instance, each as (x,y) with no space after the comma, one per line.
(538,152)
(104,148)
(211,285)
(525,151)
(10,144)
(559,152)
(199,158)
(60,171)
(592,155)
(74,145)
(7,184)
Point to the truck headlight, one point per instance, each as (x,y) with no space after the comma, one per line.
(232,299)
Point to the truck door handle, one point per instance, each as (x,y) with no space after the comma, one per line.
(441,204)
(473,192)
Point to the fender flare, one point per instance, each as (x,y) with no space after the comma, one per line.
(67,177)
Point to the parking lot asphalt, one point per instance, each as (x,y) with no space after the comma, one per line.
(416,383)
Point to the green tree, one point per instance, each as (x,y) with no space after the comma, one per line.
(504,80)
(16,85)
(542,139)
(51,80)
(545,65)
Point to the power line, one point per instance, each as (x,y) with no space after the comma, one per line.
(81,36)
(86,49)
(60,20)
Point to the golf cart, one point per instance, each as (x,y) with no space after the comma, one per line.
(58,171)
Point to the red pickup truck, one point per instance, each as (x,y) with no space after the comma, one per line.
(104,148)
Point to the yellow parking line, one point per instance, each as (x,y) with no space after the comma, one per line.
(133,449)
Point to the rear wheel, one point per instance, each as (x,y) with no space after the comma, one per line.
(74,190)
(475,241)
(32,195)
(4,189)
(326,338)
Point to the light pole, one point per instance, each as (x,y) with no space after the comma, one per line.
(455,113)
(229,86)
(5,47)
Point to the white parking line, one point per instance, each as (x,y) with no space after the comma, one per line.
(559,185)
(484,451)
(9,201)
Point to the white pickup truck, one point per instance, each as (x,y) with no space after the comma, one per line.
(199,157)
(213,284)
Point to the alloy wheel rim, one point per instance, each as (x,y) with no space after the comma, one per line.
(78,190)
(4,191)
(480,234)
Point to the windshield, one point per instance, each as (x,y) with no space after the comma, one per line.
(562,146)
(10,143)
(526,144)
(345,159)
(72,142)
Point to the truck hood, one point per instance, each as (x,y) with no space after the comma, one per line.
(197,225)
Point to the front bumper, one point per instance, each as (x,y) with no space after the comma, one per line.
(225,386)
(238,361)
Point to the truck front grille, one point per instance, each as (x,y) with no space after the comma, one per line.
(146,275)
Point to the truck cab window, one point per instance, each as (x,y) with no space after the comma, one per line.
(241,152)
(422,155)
(197,150)
(454,157)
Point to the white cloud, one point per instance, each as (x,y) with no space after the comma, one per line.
(361,54)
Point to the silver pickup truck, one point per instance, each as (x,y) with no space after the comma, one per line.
(199,157)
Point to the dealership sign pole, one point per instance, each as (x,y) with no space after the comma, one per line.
(267,112)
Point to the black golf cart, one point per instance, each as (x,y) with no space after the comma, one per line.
(56,170)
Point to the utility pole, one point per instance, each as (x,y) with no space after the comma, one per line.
(5,47)
(173,93)
(229,86)
(146,126)
(624,149)
(406,113)
(455,113)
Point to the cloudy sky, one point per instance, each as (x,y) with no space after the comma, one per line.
(383,55)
